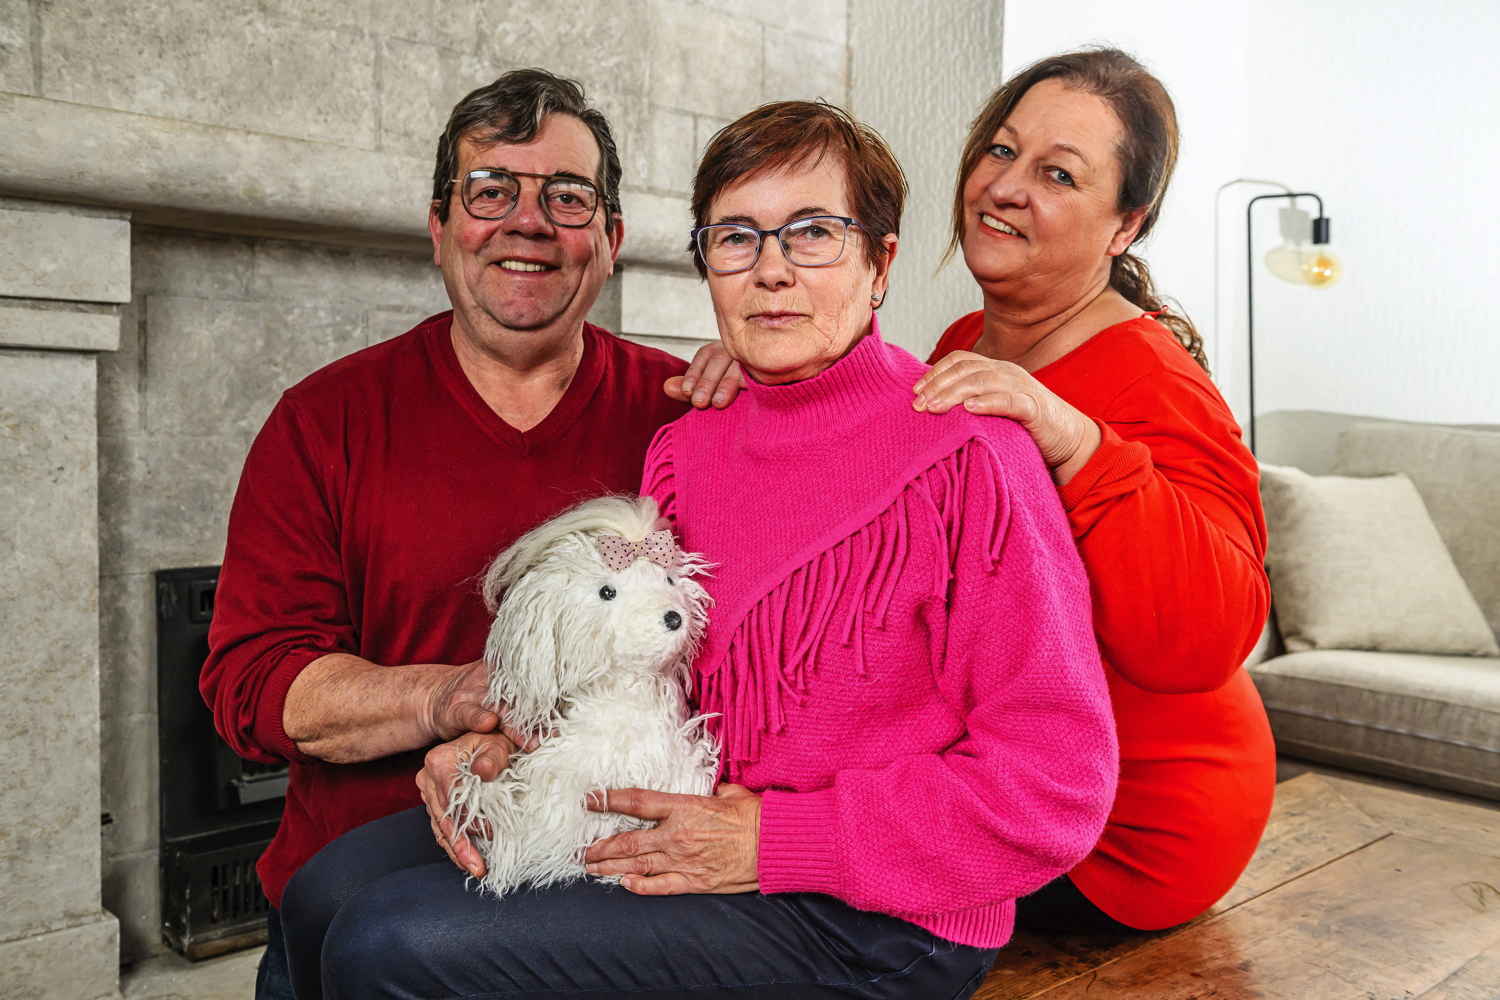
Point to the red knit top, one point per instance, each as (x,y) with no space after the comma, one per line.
(370,503)
(1168,520)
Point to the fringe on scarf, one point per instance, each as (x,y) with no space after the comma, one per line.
(776,647)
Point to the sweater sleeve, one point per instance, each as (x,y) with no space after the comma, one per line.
(659,479)
(281,601)
(1167,516)
(1023,794)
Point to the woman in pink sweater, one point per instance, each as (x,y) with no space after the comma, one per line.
(913,716)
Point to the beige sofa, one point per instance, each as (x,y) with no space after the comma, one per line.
(1433,720)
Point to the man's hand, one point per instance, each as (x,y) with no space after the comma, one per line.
(713,377)
(701,843)
(458,704)
(488,754)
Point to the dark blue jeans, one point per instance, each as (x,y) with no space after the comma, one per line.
(382,912)
(272,981)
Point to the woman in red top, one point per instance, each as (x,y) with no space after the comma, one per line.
(1065,169)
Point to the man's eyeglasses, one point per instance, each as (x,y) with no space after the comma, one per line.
(815,242)
(568,201)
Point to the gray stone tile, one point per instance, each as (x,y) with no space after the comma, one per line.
(164,502)
(121,374)
(598,44)
(673,151)
(197,265)
(383,324)
(78,961)
(353,14)
(56,255)
(801,67)
(309,273)
(132,892)
(629,118)
(703,60)
(666,304)
(127,637)
(205,176)
(217,368)
(171,977)
(16,68)
(128,782)
(453,24)
(827,19)
(223,63)
(40,324)
(656,230)
(704,129)
(419,85)
(49,682)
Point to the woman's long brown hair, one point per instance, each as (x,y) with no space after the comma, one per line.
(1147,155)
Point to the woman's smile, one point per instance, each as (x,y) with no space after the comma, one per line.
(1000,227)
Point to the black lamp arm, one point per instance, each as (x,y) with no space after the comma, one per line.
(1320,235)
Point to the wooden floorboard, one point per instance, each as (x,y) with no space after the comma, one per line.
(1311,824)
(1436,820)
(1478,979)
(1391,920)
(1356,891)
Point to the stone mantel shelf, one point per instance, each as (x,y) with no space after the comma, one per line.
(187,175)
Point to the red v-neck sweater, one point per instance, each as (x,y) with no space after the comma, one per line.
(372,499)
(1168,520)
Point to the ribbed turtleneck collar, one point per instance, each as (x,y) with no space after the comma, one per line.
(859,384)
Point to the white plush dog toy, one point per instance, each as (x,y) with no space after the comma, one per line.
(590,652)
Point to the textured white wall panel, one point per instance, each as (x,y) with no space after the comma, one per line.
(918,72)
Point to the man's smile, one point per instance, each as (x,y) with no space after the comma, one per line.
(525,266)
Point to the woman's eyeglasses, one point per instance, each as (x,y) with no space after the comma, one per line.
(568,201)
(815,242)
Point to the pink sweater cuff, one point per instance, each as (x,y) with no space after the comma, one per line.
(799,842)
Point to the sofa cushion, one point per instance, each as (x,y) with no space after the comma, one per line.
(1429,719)
(1458,474)
(1358,564)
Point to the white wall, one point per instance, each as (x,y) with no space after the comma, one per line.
(918,73)
(1390,111)
(1387,110)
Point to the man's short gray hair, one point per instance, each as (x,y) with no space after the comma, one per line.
(512,110)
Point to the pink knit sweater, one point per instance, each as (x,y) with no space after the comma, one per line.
(900,649)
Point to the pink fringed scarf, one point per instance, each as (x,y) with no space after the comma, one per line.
(791,491)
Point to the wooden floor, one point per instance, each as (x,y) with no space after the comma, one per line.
(1358,892)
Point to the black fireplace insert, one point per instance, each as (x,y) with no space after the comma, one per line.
(218,810)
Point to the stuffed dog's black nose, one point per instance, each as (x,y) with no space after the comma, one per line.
(672,620)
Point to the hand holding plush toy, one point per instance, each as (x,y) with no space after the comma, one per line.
(590,651)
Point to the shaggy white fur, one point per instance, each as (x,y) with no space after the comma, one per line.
(595,663)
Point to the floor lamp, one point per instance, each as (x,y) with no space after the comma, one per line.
(1292,261)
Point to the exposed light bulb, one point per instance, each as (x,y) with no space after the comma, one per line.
(1321,269)
(1285,261)
(1297,259)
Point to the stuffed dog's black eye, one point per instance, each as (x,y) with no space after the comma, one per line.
(606,593)
(671,582)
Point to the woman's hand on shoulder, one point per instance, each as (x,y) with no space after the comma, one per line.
(701,843)
(713,378)
(1066,437)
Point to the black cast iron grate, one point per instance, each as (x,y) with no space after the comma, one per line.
(218,811)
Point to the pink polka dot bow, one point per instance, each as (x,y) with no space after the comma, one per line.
(619,553)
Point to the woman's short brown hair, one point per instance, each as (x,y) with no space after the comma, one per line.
(792,133)
(1147,155)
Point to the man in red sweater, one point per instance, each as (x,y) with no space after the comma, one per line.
(348,626)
